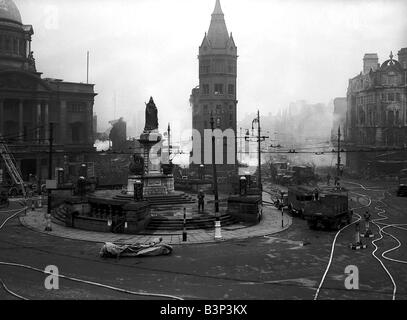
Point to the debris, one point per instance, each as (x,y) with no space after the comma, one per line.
(154,248)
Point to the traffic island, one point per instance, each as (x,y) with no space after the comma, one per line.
(270,224)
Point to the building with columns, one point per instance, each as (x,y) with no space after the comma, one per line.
(29,102)
(376,115)
(216,92)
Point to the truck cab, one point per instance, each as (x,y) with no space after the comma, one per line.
(402,188)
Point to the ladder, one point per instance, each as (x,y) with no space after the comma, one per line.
(10,165)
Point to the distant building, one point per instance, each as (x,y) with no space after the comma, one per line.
(216,92)
(28,103)
(118,134)
(339,118)
(376,116)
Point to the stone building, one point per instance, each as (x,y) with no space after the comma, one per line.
(376,118)
(29,102)
(216,92)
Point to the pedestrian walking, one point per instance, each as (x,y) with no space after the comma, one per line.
(201,201)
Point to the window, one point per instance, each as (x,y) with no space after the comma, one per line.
(218,88)
(231,67)
(205,66)
(205,89)
(231,89)
(398,96)
(76,107)
(218,109)
(390,96)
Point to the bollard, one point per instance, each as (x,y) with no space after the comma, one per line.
(218,229)
(184,231)
(48,222)
(282,217)
(218,232)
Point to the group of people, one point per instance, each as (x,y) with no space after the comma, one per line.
(336,180)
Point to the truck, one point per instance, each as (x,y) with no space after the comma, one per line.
(402,188)
(323,207)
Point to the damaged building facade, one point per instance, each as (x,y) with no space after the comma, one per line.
(376,116)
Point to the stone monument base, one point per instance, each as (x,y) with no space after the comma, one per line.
(154,184)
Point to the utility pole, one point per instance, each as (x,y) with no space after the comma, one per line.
(169,141)
(259,139)
(339,152)
(87,67)
(50,139)
(259,153)
(215,177)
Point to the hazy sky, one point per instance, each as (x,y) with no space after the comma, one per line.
(288,50)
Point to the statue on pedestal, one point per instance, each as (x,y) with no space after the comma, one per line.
(151,116)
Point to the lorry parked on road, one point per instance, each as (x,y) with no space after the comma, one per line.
(402,188)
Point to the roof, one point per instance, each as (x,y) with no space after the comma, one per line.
(218,35)
(9,11)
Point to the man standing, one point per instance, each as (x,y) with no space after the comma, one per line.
(201,201)
(328,178)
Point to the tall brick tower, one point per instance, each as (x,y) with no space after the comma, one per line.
(216,92)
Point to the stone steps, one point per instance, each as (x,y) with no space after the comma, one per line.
(194,223)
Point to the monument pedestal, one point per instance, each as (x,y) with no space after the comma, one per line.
(149,168)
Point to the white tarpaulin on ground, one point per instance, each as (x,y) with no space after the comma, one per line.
(154,248)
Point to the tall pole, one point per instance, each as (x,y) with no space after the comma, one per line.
(215,177)
(169,141)
(51,138)
(87,67)
(339,152)
(259,152)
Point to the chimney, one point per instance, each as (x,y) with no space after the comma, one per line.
(370,61)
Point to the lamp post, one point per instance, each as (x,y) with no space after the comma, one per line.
(259,139)
(215,177)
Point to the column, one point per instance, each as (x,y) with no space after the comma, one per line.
(46,122)
(38,121)
(62,122)
(20,120)
(1,116)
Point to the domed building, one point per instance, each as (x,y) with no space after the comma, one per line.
(376,117)
(28,103)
